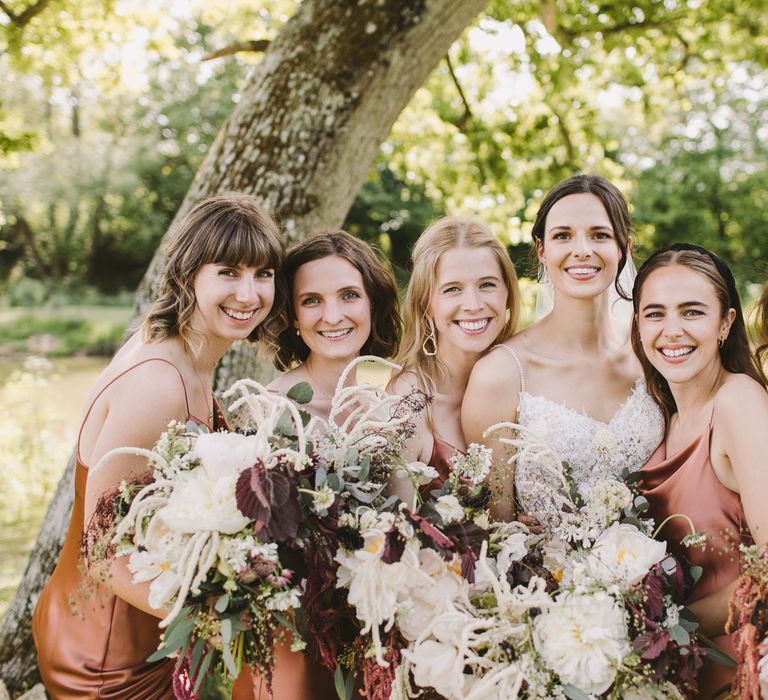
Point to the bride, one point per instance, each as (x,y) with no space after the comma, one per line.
(570,378)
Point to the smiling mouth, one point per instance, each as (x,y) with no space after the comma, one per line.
(239,315)
(675,353)
(585,271)
(474,326)
(332,335)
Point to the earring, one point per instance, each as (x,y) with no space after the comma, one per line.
(720,342)
(430,338)
(542,276)
(298,332)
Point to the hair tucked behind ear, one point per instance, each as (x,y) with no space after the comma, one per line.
(735,353)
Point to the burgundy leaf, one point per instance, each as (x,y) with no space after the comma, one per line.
(394,546)
(468,566)
(652,644)
(252,493)
(285,512)
(654,588)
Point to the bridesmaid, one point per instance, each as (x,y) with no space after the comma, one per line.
(462,298)
(218,287)
(342,303)
(712,466)
(571,376)
(761,329)
(333,279)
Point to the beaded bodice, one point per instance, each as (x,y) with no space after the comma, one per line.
(593,449)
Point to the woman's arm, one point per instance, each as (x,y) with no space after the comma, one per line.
(140,406)
(493,396)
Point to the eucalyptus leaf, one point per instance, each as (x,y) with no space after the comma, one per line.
(350,686)
(197,655)
(176,639)
(715,653)
(365,469)
(285,425)
(202,671)
(641,504)
(226,630)
(696,572)
(222,603)
(301,393)
(320,476)
(572,692)
(680,635)
(338,682)
(334,482)
(229,660)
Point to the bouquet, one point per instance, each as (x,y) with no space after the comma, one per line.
(586,609)
(748,618)
(206,530)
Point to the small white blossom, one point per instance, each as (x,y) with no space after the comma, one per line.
(323,499)
(449,508)
(422,473)
(475,464)
(284,600)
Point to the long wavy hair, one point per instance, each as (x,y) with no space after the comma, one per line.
(378,281)
(228,229)
(735,353)
(445,234)
(761,329)
(615,206)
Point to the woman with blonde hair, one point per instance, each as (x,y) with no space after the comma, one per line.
(95,630)
(462,298)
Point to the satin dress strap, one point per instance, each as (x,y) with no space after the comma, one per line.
(90,643)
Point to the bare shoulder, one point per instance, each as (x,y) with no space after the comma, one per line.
(740,395)
(284,382)
(497,370)
(403,383)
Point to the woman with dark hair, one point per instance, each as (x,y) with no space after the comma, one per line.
(342,303)
(95,630)
(462,298)
(571,376)
(761,330)
(689,335)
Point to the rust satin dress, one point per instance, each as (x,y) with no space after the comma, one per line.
(442,452)
(90,643)
(686,483)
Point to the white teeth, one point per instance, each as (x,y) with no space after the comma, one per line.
(239,315)
(582,270)
(676,352)
(474,325)
(336,334)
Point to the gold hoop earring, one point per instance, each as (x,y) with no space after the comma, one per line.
(430,338)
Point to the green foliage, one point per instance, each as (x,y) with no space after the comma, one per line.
(61,337)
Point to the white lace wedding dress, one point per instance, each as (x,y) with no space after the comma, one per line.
(593,449)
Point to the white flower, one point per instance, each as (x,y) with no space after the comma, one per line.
(475,464)
(284,600)
(200,503)
(449,508)
(512,549)
(555,557)
(583,638)
(423,473)
(225,454)
(624,555)
(604,440)
(435,665)
(482,520)
(762,666)
(323,499)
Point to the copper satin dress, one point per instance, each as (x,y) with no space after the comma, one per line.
(686,483)
(442,452)
(90,643)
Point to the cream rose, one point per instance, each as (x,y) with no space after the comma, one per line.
(623,555)
(225,454)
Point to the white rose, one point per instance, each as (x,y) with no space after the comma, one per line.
(199,504)
(224,454)
(423,473)
(512,549)
(449,509)
(583,638)
(435,665)
(624,555)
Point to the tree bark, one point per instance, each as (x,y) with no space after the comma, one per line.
(302,139)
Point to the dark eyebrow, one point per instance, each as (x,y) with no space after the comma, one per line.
(691,303)
(566,227)
(653,306)
(679,306)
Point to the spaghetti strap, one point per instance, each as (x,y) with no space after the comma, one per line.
(517,361)
(113,380)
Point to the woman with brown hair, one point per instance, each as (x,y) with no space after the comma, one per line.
(342,303)
(570,377)
(94,632)
(462,298)
(712,466)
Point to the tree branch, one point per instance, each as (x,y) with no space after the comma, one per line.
(467,109)
(21,20)
(257,45)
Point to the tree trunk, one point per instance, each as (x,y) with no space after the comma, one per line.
(302,139)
